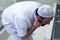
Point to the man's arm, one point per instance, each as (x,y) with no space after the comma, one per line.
(29,32)
(32,29)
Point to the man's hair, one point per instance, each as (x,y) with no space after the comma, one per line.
(39,15)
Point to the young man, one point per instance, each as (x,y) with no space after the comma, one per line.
(23,18)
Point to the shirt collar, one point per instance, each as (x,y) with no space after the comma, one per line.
(35,13)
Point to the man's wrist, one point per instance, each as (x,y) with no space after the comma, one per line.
(35,26)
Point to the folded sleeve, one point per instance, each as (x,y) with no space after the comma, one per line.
(21,26)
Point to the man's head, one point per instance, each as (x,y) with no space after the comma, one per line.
(45,14)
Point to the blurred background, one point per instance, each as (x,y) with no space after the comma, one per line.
(42,33)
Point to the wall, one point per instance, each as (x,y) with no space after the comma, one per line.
(4,35)
(6,3)
(50,2)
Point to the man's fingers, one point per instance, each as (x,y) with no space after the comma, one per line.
(37,23)
(36,19)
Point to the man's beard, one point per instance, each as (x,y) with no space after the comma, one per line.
(43,24)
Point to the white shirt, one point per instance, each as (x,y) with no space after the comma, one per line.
(20,14)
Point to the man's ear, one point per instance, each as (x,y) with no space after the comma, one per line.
(38,17)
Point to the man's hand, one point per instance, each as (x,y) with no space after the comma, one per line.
(22,38)
(37,23)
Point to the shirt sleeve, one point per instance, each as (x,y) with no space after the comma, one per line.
(21,26)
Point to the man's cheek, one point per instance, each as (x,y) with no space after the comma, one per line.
(43,23)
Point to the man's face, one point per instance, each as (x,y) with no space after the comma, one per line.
(45,21)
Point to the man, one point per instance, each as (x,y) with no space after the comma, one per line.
(23,18)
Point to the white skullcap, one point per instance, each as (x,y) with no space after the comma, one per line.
(46,11)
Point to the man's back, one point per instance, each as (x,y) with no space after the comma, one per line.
(21,9)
